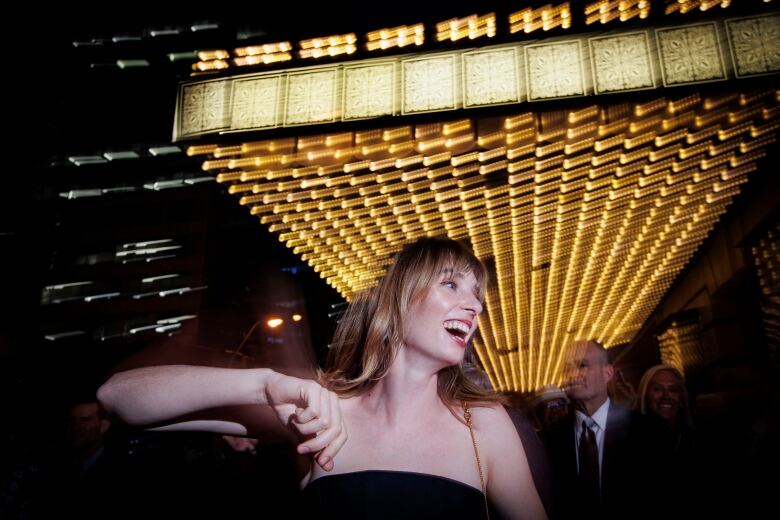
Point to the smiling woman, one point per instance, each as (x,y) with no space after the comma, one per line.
(424,441)
(685,472)
(662,394)
(438,278)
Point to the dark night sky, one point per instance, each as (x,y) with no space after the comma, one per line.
(67,107)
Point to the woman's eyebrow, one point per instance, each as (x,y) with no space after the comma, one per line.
(449,272)
(452,273)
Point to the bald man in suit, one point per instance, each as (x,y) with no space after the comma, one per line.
(600,452)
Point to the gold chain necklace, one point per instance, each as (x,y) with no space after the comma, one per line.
(467,417)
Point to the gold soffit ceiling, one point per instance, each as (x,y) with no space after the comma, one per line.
(584,216)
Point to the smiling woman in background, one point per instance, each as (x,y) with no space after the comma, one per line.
(663,399)
(662,395)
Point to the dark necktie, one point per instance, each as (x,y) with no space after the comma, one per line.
(589,463)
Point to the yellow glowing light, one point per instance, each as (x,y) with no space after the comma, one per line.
(605,11)
(328,46)
(685,6)
(268,48)
(217,54)
(400,36)
(274,322)
(264,59)
(545,18)
(470,27)
(203,66)
(586,219)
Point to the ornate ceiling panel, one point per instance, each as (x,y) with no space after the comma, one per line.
(574,65)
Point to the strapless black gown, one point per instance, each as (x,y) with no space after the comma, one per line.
(392,494)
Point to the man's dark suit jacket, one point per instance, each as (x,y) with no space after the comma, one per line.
(627,458)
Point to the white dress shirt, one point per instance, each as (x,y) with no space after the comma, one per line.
(600,418)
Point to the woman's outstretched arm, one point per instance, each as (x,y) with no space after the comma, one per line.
(171,397)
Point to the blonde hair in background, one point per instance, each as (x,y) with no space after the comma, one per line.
(372,329)
(647,377)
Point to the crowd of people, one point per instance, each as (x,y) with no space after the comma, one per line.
(396,425)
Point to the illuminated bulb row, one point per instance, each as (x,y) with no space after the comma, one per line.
(470,27)
(400,36)
(211,55)
(206,66)
(266,53)
(259,50)
(545,18)
(328,46)
(685,6)
(526,20)
(605,11)
(211,60)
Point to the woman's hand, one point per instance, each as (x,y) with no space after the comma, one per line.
(241,444)
(312,411)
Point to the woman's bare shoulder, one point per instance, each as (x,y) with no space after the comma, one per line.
(487,410)
(492,420)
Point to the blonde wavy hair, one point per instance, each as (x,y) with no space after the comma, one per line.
(371,331)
